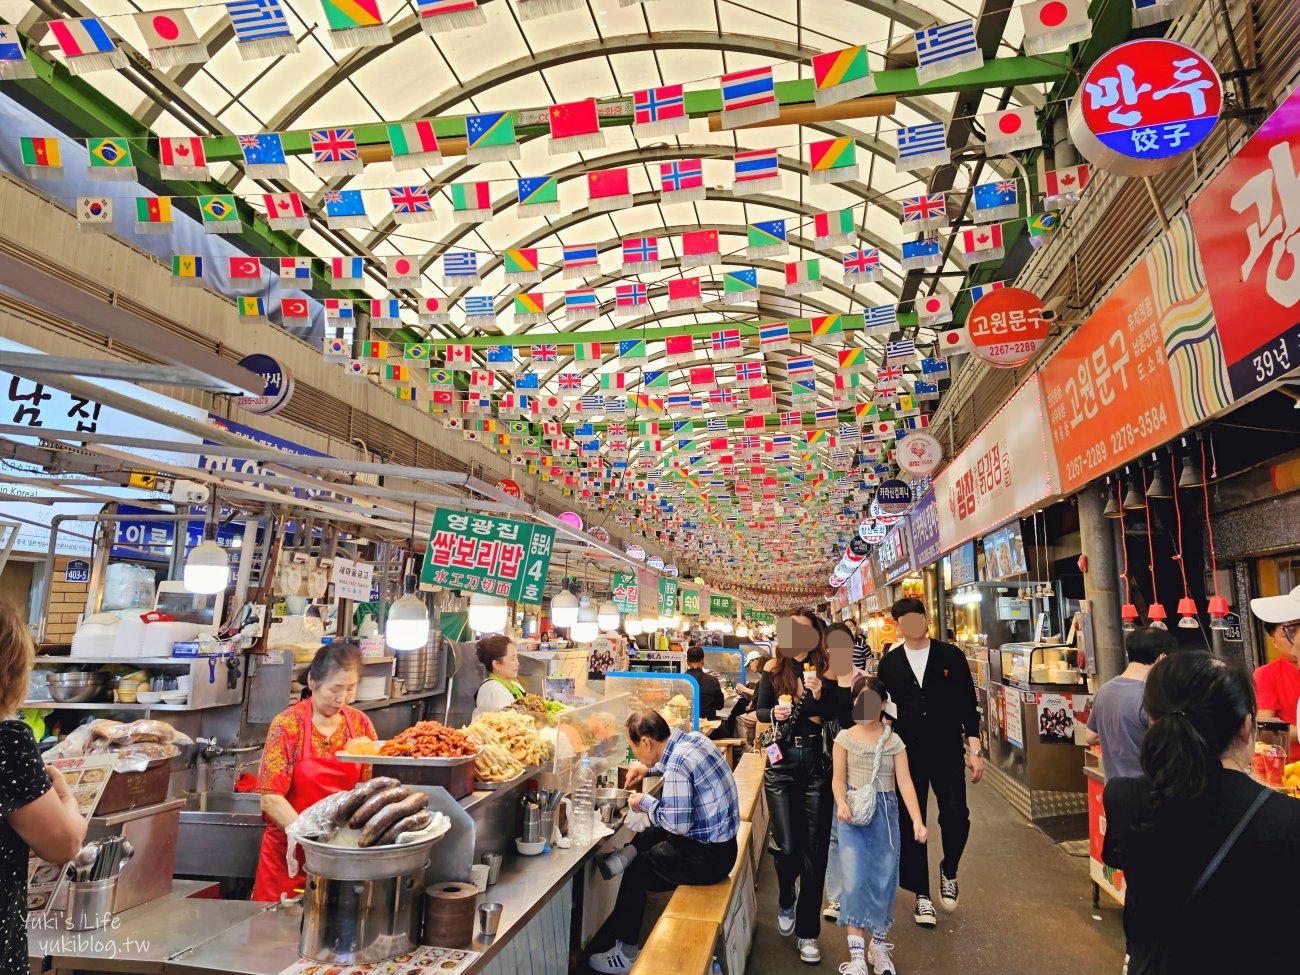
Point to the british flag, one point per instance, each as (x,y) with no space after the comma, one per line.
(862,262)
(924,208)
(569,380)
(410,199)
(889,374)
(545,353)
(334,146)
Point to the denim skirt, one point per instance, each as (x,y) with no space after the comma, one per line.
(869,865)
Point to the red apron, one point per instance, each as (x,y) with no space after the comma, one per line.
(313,779)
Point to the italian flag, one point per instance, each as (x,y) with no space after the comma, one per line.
(414,145)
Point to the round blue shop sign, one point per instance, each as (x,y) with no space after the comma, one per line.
(277,384)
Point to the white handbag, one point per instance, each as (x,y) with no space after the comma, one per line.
(862,802)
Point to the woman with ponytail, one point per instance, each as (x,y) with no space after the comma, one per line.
(1205,849)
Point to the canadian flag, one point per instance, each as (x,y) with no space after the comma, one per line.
(479,378)
(182,157)
(283,206)
(982,243)
(457,355)
(1065,185)
(954,341)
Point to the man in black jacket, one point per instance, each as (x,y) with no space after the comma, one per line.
(931,685)
(711,697)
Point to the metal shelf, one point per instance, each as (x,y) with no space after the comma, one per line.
(125,661)
(110,706)
(388,701)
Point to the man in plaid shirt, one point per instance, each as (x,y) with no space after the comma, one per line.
(694,823)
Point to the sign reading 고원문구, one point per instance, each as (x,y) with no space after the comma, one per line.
(496,556)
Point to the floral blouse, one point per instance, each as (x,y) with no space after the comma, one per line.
(284,746)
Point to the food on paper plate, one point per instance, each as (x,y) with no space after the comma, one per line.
(428,739)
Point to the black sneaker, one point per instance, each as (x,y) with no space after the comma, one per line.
(947,892)
(924,914)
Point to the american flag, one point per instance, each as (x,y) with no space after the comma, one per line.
(410,199)
(924,207)
(334,146)
(545,353)
(685,174)
(659,104)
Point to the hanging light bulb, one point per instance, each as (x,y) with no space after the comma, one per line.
(1159,488)
(1112,509)
(742,631)
(585,629)
(1218,609)
(1156,613)
(1048,591)
(607,616)
(207,569)
(1187,614)
(1131,617)
(632,626)
(564,609)
(407,626)
(487,614)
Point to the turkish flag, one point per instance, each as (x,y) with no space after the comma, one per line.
(245,268)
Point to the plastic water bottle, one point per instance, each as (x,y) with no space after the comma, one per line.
(584,808)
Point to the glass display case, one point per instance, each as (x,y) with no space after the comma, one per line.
(726,665)
(594,731)
(1036,666)
(675,696)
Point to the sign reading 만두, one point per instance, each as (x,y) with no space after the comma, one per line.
(1007,327)
(1144,104)
(480,553)
(1248,225)
(1007,467)
(924,523)
(919,454)
(1145,366)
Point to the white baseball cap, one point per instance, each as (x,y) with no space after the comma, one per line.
(1277,609)
(751,657)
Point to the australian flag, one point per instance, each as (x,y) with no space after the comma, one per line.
(996,201)
(341,204)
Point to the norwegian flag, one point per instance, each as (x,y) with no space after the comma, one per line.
(640,254)
(726,340)
(629,298)
(682,181)
(660,111)
(545,353)
(748,373)
(792,420)
(929,210)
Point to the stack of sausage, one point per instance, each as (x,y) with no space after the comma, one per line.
(384,811)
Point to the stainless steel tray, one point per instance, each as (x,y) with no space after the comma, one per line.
(402,760)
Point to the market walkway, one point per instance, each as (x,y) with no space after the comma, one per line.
(1025,908)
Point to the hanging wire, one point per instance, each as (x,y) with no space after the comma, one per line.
(1209,524)
(1151,545)
(1178,514)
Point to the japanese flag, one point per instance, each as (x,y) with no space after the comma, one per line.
(954,341)
(1053,24)
(1010,131)
(933,310)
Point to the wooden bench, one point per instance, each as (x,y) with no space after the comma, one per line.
(710,903)
(753,803)
(684,946)
(728,747)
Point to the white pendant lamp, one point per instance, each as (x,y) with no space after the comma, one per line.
(407,627)
(632,626)
(607,617)
(207,569)
(585,629)
(564,609)
(487,614)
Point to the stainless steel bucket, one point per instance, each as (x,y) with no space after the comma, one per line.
(355,922)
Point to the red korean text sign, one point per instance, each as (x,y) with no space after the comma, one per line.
(1109,392)
(1143,104)
(1247,222)
(1007,327)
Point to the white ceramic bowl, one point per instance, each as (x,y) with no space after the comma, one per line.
(174,697)
(530,849)
(148,697)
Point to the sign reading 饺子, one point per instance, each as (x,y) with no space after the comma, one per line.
(690,602)
(625,593)
(1144,104)
(667,596)
(721,605)
(480,553)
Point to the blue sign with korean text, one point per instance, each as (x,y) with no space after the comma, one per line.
(924,521)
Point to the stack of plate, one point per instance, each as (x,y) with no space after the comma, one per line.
(412,667)
(372,689)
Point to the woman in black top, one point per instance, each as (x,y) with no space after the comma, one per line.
(1164,830)
(797,782)
(36,808)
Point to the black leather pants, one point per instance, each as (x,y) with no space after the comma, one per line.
(799,807)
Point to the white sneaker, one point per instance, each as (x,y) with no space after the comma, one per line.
(785,921)
(809,952)
(855,966)
(881,960)
(612,962)
(924,914)
(832,911)
(947,892)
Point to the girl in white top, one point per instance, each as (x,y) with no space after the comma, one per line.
(869,853)
(500,658)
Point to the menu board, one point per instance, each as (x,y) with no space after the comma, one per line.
(894,554)
(87,778)
(961,564)
(481,553)
(1004,553)
(1145,366)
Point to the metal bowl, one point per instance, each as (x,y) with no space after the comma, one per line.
(75,688)
(616,799)
(77,678)
(372,863)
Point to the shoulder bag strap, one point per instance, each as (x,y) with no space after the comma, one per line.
(1229,843)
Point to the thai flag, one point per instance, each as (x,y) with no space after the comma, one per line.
(581,255)
(581,301)
(776,333)
(799,366)
(545,353)
(677,401)
(686,174)
(745,89)
(757,165)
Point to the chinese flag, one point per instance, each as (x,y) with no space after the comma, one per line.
(699,242)
(573,119)
(680,289)
(607,182)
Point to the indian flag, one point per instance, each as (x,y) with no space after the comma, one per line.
(843,74)
(414,145)
(833,160)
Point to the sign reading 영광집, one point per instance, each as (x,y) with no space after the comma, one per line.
(721,605)
(690,602)
(667,596)
(625,593)
(496,556)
